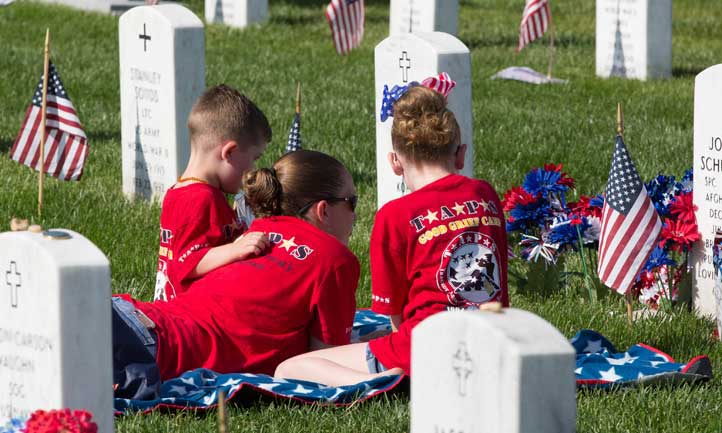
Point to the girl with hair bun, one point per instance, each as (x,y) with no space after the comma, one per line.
(441,247)
(250,315)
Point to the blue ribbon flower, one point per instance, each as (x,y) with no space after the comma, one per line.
(391,96)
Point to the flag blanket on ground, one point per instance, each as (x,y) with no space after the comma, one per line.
(598,365)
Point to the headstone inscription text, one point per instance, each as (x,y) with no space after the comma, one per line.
(162,72)
(55,336)
(634,38)
(707,195)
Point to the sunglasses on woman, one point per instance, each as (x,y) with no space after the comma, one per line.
(352,202)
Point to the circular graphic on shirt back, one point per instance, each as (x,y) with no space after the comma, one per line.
(469,270)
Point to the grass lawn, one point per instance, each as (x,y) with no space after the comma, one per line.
(516,127)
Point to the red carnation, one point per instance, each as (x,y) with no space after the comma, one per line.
(61,421)
(683,207)
(516,195)
(679,234)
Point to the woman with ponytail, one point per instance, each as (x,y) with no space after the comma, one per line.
(249,316)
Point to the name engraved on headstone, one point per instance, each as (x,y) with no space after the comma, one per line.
(707,182)
(17,357)
(158,86)
(633,38)
(55,342)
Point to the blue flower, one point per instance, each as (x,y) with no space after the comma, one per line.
(659,257)
(15,425)
(597,201)
(661,190)
(524,217)
(687,181)
(564,233)
(545,182)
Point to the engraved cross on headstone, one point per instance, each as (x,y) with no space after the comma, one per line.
(463,366)
(145,38)
(13,279)
(405,69)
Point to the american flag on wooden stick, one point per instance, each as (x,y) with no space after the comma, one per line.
(66,145)
(534,22)
(346,18)
(630,224)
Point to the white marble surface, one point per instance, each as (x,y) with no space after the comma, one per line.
(55,327)
(408,57)
(162,73)
(634,38)
(707,183)
(409,16)
(490,372)
(236,13)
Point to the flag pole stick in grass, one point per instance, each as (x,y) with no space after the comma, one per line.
(222,424)
(551,45)
(628,295)
(43,109)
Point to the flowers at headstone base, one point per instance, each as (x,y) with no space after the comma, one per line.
(15,425)
(60,421)
(664,280)
(549,226)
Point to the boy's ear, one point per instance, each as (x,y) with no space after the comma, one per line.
(459,157)
(396,166)
(227,148)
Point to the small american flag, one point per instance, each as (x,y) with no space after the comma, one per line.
(630,224)
(346,18)
(294,135)
(534,22)
(66,145)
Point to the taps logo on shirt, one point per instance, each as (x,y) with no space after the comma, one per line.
(469,270)
(299,252)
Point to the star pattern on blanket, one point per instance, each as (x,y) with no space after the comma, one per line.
(598,364)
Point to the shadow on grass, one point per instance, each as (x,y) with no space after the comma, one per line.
(513,41)
(324,3)
(686,72)
(5,145)
(103,136)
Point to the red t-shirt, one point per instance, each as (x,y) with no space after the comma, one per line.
(249,316)
(439,248)
(194,219)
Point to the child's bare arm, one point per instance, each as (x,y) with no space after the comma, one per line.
(249,244)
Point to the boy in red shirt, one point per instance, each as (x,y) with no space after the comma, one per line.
(441,247)
(198,229)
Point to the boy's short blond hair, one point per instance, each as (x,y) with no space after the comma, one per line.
(222,113)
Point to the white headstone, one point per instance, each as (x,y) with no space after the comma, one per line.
(236,13)
(707,183)
(55,327)
(634,38)
(408,57)
(162,73)
(409,16)
(508,372)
